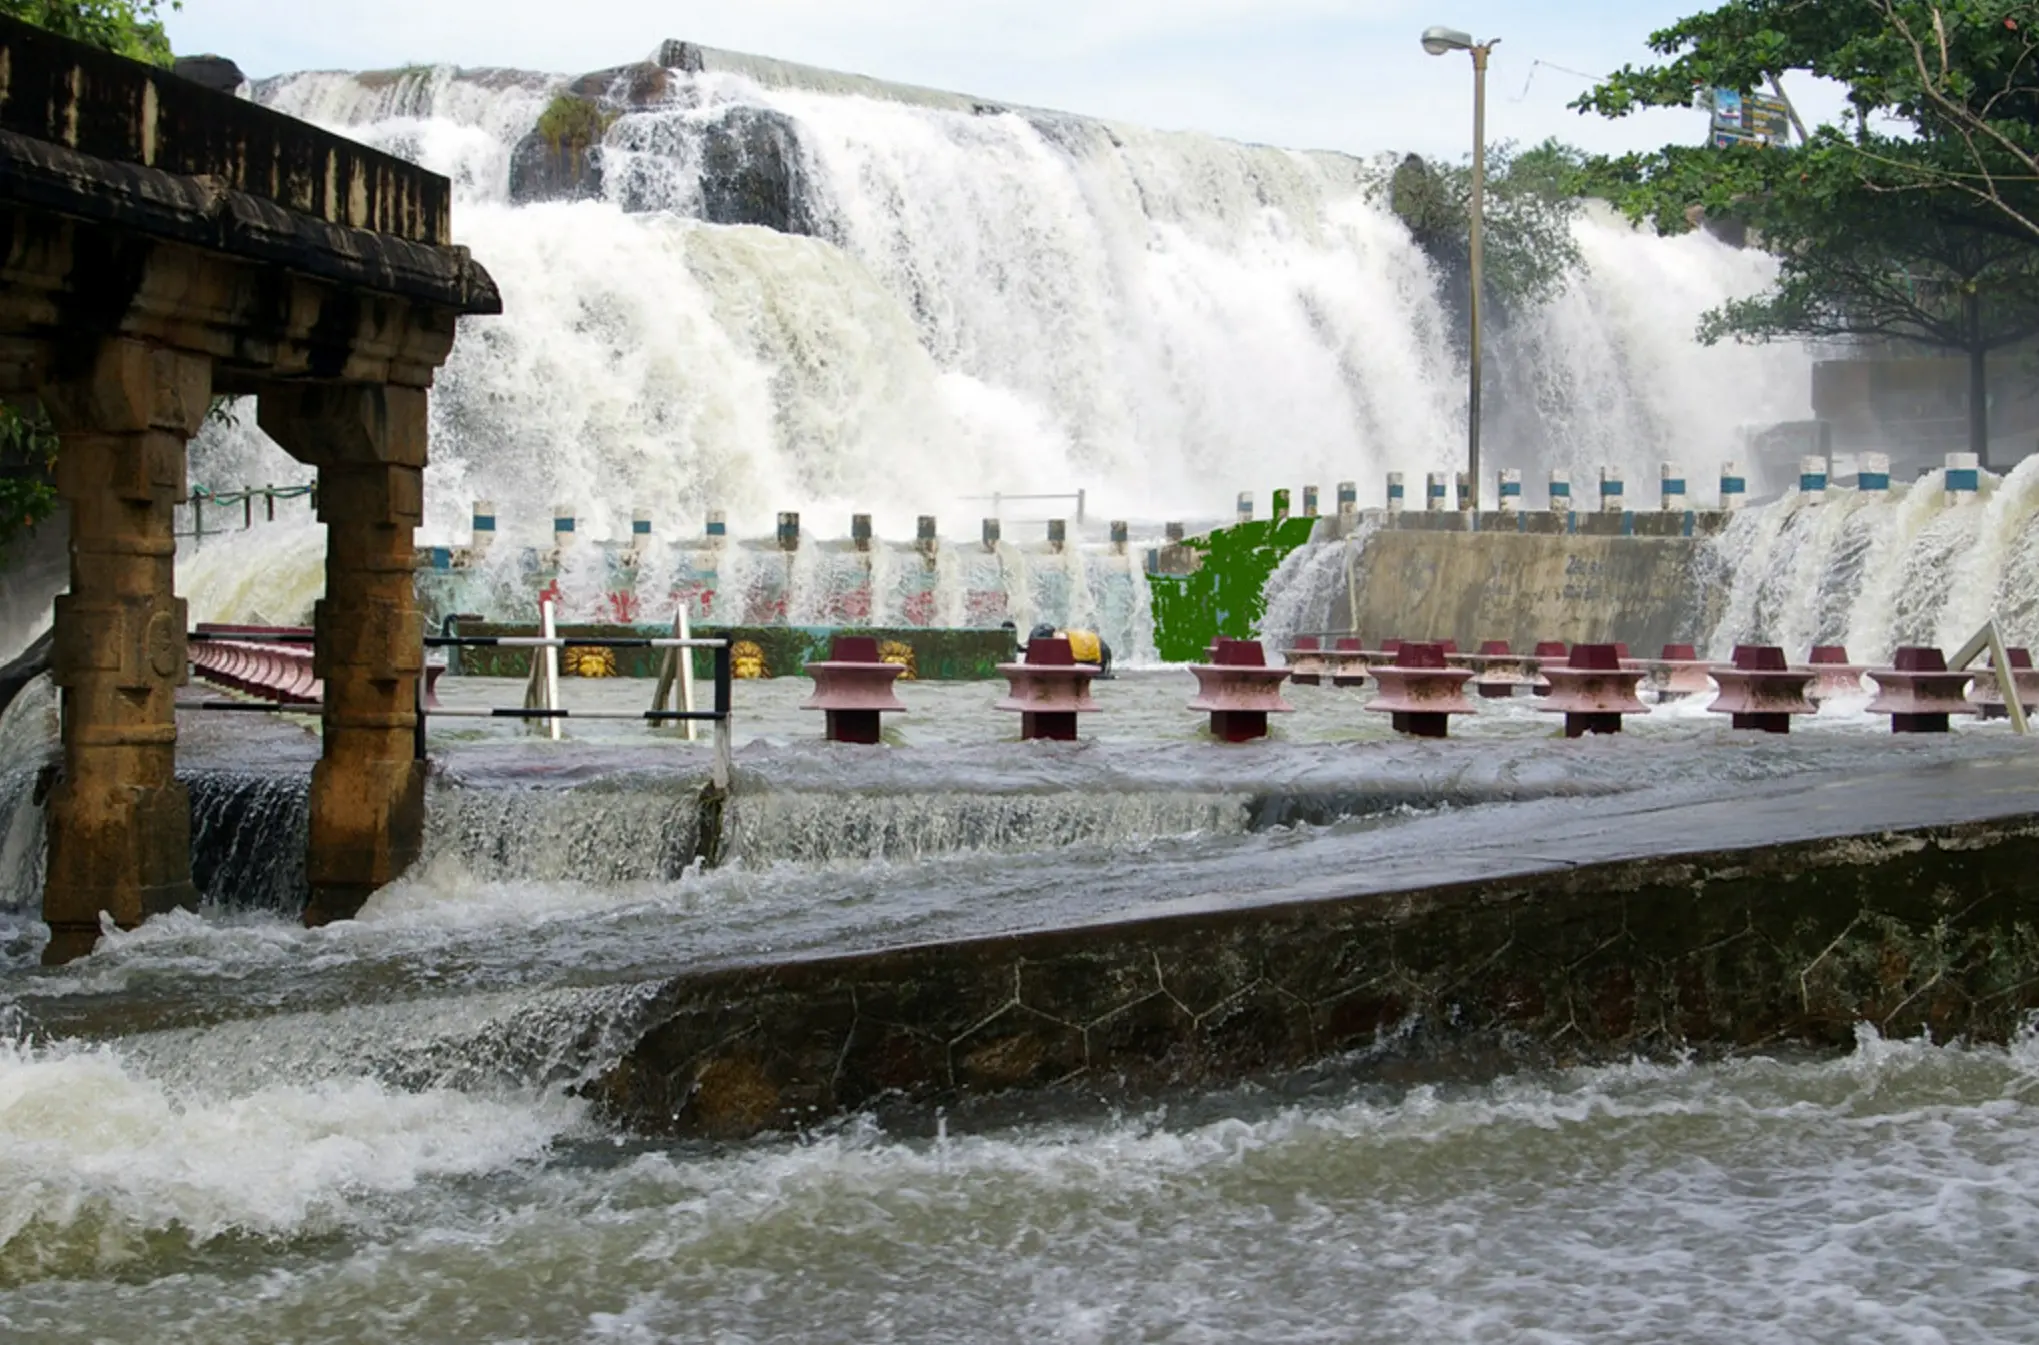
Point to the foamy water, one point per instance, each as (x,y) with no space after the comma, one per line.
(1886,1196)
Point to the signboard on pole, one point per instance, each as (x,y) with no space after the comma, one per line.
(1749,119)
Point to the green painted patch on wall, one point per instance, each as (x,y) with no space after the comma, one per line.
(1226,594)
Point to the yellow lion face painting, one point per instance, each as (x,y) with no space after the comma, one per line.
(901,653)
(747,661)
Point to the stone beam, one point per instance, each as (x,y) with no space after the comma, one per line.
(119,822)
(367,800)
(60,277)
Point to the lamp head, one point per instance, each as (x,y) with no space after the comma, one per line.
(1438,41)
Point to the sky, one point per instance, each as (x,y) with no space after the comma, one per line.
(1309,74)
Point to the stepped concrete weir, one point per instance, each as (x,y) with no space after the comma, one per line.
(167,244)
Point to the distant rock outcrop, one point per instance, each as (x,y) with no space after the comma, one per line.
(214,72)
(748,157)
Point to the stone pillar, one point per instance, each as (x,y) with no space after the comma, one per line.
(119,823)
(368,789)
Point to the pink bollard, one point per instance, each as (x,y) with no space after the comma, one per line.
(1049,689)
(1918,692)
(1420,691)
(1547,652)
(1306,661)
(853,688)
(1760,690)
(1988,697)
(1497,672)
(1833,675)
(1679,673)
(1592,690)
(1239,691)
(1348,662)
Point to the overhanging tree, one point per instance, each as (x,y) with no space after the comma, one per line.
(1532,198)
(1897,225)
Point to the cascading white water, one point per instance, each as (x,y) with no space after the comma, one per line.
(997,301)
(1874,572)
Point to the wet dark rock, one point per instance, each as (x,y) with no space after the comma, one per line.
(560,159)
(214,72)
(751,173)
(24,668)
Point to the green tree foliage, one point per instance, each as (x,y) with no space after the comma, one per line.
(1904,223)
(1532,198)
(132,28)
(28,456)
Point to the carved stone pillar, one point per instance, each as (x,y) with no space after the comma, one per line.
(367,798)
(119,823)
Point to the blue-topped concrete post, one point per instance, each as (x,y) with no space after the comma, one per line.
(1560,492)
(1812,478)
(789,531)
(1433,493)
(484,526)
(1964,477)
(860,532)
(1396,493)
(1611,499)
(1734,486)
(563,524)
(1465,492)
(1872,472)
(1245,512)
(1348,499)
(926,536)
(1511,490)
(1309,501)
(1672,485)
(640,531)
(717,528)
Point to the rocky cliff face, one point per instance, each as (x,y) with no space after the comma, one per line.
(747,159)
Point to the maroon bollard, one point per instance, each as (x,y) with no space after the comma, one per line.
(1049,689)
(1918,692)
(1347,660)
(1497,671)
(1547,653)
(1306,661)
(1761,690)
(1420,691)
(1833,675)
(1679,673)
(853,687)
(1988,697)
(1239,690)
(1592,690)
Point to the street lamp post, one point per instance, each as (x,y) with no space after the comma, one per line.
(1438,41)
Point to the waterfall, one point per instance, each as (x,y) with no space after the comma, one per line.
(960,298)
(1876,571)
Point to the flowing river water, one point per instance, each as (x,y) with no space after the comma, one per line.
(225,1127)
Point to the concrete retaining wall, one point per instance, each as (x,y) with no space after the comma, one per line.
(1414,583)
(1908,931)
